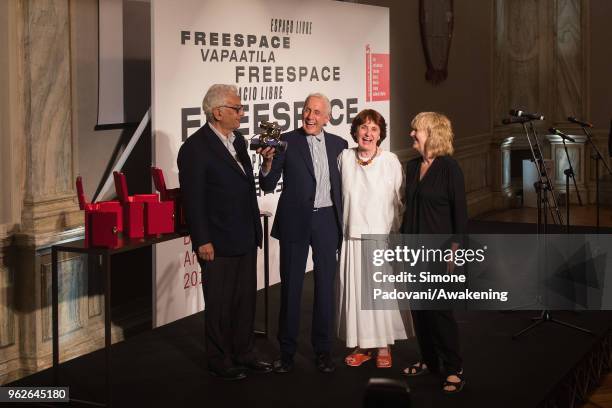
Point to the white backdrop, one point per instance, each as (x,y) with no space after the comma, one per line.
(276,52)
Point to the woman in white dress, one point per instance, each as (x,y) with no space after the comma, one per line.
(372,183)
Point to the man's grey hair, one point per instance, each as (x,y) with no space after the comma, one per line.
(321,96)
(216,96)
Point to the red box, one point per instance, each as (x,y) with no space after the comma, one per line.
(144,213)
(133,219)
(133,211)
(103,220)
(172,195)
(104,229)
(159,217)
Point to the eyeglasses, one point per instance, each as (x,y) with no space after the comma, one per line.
(236,108)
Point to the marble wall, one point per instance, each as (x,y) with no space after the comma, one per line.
(38,205)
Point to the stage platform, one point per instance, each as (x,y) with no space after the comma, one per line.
(551,366)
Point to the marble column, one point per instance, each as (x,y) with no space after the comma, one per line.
(39,157)
(11,165)
(49,205)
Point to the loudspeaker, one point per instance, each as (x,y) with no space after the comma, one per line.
(386,393)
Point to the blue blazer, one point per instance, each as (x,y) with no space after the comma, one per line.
(293,217)
(219,199)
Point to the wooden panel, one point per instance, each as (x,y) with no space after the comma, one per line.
(539,65)
(539,58)
(500,64)
(526,73)
(568,61)
(95,288)
(72,296)
(7,306)
(475,172)
(523,55)
(518,56)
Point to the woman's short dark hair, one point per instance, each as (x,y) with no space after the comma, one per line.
(373,116)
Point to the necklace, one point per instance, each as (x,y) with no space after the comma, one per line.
(368,160)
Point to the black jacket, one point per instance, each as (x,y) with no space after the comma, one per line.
(292,221)
(219,199)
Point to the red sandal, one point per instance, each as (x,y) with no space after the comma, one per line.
(384,361)
(357,358)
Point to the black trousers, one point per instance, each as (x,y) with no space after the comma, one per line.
(293,255)
(230,288)
(438,337)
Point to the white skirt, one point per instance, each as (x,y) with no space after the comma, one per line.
(364,328)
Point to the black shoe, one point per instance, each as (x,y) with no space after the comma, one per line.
(282,366)
(256,366)
(229,374)
(325,364)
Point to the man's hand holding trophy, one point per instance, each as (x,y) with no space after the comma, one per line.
(268,143)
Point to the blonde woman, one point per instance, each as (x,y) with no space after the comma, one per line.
(435,204)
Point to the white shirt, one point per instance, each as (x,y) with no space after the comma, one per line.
(228,142)
(318,153)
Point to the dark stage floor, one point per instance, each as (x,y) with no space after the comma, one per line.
(166,366)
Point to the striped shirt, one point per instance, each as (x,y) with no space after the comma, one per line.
(318,152)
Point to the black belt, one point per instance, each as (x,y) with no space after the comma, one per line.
(321,208)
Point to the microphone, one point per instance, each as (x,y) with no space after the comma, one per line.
(523,114)
(509,121)
(579,122)
(561,134)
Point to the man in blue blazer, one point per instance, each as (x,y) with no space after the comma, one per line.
(220,202)
(309,214)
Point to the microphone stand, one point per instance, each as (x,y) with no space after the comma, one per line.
(545,314)
(541,190)
(596,155)
(569,172)
(548,186)
(538,188)
(543,186)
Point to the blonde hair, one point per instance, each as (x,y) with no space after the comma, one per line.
(439,133)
